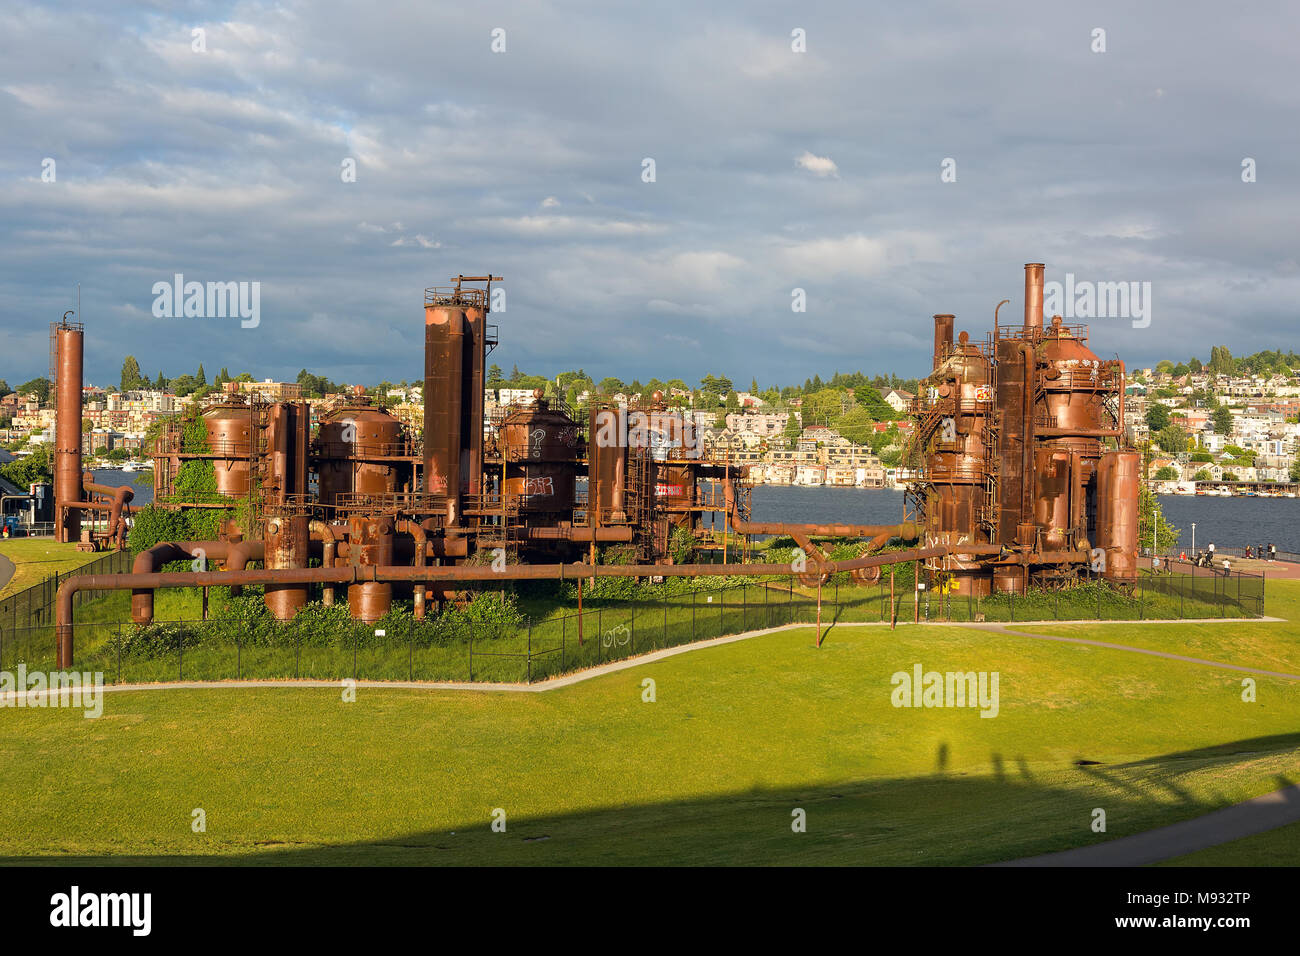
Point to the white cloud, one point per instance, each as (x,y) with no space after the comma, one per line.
(817,165)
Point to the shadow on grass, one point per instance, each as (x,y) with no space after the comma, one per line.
(943,818)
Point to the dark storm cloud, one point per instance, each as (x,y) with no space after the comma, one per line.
(775,170)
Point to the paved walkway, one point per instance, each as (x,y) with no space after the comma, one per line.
(6,571)
(1259,815)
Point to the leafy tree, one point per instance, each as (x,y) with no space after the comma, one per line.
(1157,417)
(494,376)
(1204,475)
(131,377)
(856,425)
(29,469)
(792,429)
(199,377)
(4,388)
(40,387)
(1167,473)
(1195,365)
(1222,418)
(1172,439)
(1151,518)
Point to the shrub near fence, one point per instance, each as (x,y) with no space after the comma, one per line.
(323,643)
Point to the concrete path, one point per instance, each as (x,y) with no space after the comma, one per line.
(6,571)
(1259,815)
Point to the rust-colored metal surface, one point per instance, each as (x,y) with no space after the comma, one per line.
(444,373)
(229,428)
(361,449)
(371,545)
(69,343)
(1013,436)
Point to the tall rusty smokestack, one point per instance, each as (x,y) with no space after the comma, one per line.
(1033,295)
(444,368)
(943,324)
(69,347)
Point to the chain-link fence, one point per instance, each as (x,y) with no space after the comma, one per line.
(34,606)
(606,630)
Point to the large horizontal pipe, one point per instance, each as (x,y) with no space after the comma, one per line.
(391,574)
(570,533)
(151,559)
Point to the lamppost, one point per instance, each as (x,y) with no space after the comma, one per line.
(1193,537)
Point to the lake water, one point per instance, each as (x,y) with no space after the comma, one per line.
(1228,522)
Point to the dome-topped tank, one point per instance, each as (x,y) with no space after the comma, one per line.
(229,427)
(356,448)
(1074,385)
(539,444)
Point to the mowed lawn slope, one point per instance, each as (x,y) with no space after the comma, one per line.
(740,735)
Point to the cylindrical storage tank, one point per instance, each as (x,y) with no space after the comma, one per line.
(444,376)
(229,429)
(540,447)
(370,544)
(675,491)
(607,465)
(287,546)
(1052,496)
(69,356)
(352,438)
(472,403)
(1119,475)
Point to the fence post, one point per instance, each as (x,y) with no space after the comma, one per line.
(692,613)
(180,651)
(471,652)
(632,639)
(564,631)
(767,611)
(530,650)
(410,650)
(1142,593)
(119,653)
(600,630)
(297,649)
(665,640)
(722,602)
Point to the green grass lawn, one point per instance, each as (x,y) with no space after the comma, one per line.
(36,559)
(740,736)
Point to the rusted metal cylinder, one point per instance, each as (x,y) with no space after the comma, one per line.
(287,546)
(359,452)
(370,544)
(229,429)
(943,324)
(1119,477)
(1033,295)
(472,404)
(540,446)
(444,374)
(69,357)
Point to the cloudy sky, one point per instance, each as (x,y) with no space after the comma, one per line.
(774,170)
